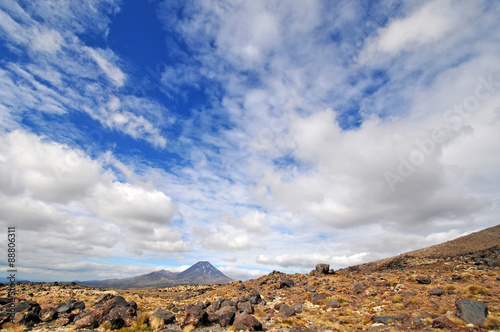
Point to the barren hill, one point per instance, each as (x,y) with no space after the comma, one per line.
(468,244)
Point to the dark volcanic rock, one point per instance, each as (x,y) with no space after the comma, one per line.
(436,291)
(423,280)
(119,317)
(247,322)
(132,304)
(443,322)
(115,302)
(382,319)
(105,299)
(48,315)
(358,288)
(286,310)
(63,308)
(473,312)
(224,316)
(245,307)
(166,316)
(78,305)
(195,316)
(87,321)
(315,298)
(323,268)
(333,304)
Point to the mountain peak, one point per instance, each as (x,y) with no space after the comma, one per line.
(201,273)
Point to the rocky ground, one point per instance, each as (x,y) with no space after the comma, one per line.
(454,292)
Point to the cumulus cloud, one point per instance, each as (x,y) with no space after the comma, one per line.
(66,203)
(308,260)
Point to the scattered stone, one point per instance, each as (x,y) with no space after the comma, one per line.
(382,319)
(436,292)
(286,311)
(296,329)
(423,280)
(247,322)
(310,289)
(358,288)
(443,322)
(402,318)
(473,312)
(315,298)
(333,304)
(491,262)
(418,322)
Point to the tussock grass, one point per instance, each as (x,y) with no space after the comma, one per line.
(141,321)
(492,321)
(9,327)
(157,323)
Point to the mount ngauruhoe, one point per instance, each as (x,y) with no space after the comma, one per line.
(201,273)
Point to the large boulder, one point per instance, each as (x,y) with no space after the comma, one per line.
(473,312)
(166,316)
(323,268)
(78,305)
(195,316)
(247,322)
(48,315)
(245,307)
(87,321)
(224,316)
(115,302)
(105,299)
(119,317)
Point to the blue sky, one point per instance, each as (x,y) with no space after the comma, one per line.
(257,135)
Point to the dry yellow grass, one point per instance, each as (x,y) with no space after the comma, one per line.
(157,323)
(492,322)
(9,327)
(188,328)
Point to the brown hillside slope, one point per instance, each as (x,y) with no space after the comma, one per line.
(474,242)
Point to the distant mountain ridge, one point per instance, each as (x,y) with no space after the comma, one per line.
(201,273)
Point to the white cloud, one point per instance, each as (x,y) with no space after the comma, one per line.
(226,238)
(46,40)
(241,274)
(309,260)
(66,203)
(105,59)
(253,222)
